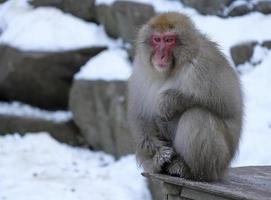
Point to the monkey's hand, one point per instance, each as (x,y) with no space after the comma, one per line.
(167,104)
(162,156)
(177,167)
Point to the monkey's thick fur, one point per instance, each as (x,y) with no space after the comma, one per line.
(186,121)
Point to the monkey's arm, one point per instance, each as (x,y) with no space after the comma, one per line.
(173,103)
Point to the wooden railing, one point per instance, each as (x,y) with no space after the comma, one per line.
(249,183)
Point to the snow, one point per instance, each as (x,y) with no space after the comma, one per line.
(259,54)
(112,64)
(24,110)
(41,168)
(255,144)
(231,31)
(47,29)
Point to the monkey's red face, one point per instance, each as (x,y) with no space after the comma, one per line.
(163,45)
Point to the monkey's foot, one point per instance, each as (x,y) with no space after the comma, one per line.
(163,155)
(178,168)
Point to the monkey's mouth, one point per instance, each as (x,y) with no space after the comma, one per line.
(162,61)
(161,66)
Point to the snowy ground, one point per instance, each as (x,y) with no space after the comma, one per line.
(37,167)
(40,168)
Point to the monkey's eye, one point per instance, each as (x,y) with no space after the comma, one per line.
(169,40)
(156,39)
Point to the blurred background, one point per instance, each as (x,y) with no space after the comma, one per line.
(64,66)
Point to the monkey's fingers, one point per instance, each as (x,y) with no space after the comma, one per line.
(178,168)
(163,156)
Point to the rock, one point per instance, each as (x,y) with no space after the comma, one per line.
(41,79)
(239,10)
(123,18)
(53,3)
(84,9)
(65,132)
(107,17)
(243,52)
(208,7)
(263,7)
(99,110)
(267,44)
(130,16)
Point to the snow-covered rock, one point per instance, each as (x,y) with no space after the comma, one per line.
(46,29)
(98,101)
(243,52)
(16,117)
(40,78)
(84,9)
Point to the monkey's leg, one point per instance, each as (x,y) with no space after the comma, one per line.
(153,150)
(204,142)
(154,154)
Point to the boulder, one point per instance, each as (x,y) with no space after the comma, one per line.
(106,16)
(208,7)
(130,16)
(53,3)
(65,132)
(41,79)
(263,7)
(123,18)
(100,111)
(243,52)
(239,10)
(84,9)
(267,44)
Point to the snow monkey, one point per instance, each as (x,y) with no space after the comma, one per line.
(185,101)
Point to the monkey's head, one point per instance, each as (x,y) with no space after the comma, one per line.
(169,41)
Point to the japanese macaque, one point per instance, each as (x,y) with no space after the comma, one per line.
(185,101)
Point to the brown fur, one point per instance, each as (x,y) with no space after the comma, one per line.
(186,121)
(167,22)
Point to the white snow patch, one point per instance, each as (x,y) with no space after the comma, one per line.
(112,64)
(46,29)
(24,110)
(255,143)
(259,54)
(245,68)
(38,167)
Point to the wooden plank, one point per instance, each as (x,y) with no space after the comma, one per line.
(198,195)
(172,197)
(248,183)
